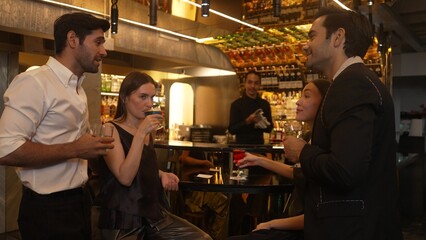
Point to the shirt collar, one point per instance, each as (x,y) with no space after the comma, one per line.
(347,63)
(64,74)
(247,96)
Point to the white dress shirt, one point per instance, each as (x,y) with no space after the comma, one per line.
(48,106)
(347,63)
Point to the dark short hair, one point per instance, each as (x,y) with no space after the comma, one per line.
(130,83)
(252,72)
(322,85)
(81,23)
(358,30)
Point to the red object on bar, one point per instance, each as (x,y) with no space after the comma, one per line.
(238,155)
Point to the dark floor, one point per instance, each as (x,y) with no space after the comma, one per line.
(413,230)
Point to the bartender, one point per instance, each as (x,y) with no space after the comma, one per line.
(250,115)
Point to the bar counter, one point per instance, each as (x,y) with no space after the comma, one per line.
(200,146)
(221,178)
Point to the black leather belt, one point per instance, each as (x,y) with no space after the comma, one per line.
(61,194)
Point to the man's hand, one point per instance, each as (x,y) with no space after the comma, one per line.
(38,155)
(255,117)
(292,148)
(252,119)
(89,146)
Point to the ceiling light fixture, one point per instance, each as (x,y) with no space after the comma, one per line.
(342,5)
(114,17)
(73,7)
(205,7)
(153,12)
(226,16)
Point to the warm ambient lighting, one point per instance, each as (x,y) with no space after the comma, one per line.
(74,7)
(226,16)
(205,7)
(342,5)
(149,26)
(123,20)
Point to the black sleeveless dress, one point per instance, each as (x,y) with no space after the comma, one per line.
(131,207)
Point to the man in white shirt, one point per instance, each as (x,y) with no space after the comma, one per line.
(44,132)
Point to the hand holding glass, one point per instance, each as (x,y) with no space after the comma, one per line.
(101,130)
(238,155)
(156,111)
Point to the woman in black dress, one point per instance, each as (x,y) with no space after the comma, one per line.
(132,194)
(290,227)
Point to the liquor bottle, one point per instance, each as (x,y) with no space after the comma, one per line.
(268,80)
(103,104)
(292,75)
(108,83)
(263,77)
(274,77)
(106,108)
(299,79)
(103,82)
(113,107)
(287,78)
(281,83)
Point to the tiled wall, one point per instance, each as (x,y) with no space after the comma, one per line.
(9,200)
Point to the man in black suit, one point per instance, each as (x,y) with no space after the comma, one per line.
(350,167)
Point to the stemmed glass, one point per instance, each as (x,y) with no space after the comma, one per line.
(157,107)
(239,173)
(156,110)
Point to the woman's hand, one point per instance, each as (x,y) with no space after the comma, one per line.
(293,147)
(150,124)
(169,181)
(249,160)
(264,225)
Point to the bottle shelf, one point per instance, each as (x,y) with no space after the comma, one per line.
(111,83)
(261,12)
(108,106)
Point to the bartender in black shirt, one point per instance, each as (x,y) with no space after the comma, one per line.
(250,115)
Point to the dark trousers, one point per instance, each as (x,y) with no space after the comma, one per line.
(62,215)
(270,234)
(171,227)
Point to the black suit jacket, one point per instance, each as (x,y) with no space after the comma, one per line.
(350,168)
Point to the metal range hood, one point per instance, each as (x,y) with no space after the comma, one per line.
(133,46)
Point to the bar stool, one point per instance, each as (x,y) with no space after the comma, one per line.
(199,219)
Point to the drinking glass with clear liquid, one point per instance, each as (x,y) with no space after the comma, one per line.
(102,130)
